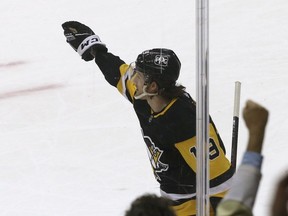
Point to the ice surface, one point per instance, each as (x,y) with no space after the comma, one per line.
(70,145)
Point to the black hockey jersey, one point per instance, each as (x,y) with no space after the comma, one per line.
(170,137)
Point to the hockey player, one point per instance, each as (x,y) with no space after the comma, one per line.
(167,116)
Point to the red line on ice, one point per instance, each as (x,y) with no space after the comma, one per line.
(12,64)
(27,91)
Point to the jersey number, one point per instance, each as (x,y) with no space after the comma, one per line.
(213,150)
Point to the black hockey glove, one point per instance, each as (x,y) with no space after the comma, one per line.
(82,39)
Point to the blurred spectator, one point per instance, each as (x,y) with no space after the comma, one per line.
(240,199)
(280,201)
(150,205)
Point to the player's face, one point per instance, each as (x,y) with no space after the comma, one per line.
(139,81)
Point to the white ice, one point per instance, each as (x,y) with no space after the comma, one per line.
(70,145)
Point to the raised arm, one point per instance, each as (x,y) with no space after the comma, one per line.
(89,46)
(241,197)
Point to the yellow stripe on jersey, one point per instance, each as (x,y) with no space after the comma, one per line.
(125,85)
(185,148)
(189,209)
(218,162)
(166,108)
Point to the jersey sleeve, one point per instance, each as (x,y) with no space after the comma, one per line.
(117,73)
(218,161)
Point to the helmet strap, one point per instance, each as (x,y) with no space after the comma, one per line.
(145,93)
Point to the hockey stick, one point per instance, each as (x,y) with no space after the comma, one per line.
(235,125)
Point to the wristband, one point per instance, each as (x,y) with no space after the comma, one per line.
(87,43)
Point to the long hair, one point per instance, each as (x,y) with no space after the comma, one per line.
(172,91)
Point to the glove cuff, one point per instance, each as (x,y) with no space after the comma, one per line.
(89,42)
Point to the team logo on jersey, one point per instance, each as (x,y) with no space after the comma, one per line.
(154,154)
(161,60)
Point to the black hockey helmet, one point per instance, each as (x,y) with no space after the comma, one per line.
(159,65)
